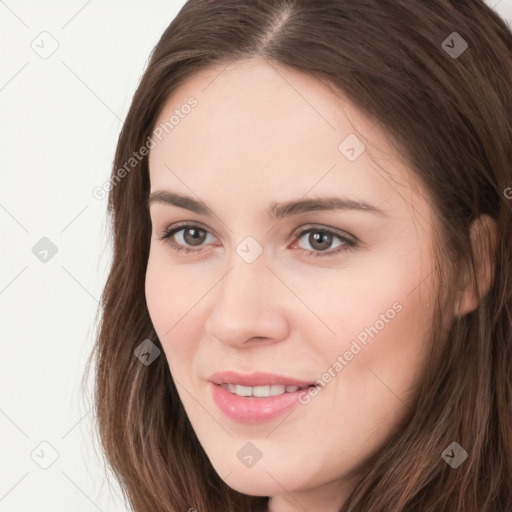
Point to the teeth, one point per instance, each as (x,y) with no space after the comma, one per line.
(243,390)
(260,391)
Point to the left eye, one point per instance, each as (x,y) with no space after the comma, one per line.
(319,238)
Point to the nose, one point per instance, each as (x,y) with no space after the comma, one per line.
(249,305)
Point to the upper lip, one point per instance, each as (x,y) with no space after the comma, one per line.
(255,379)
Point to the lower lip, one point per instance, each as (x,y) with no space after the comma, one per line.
(250,409)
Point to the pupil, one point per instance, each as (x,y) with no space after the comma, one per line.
(196,237)
(325,237)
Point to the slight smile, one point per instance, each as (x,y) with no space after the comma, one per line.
(256,397)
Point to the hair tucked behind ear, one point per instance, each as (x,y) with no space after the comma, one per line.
(450,115)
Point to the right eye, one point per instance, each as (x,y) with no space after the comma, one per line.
(192,234)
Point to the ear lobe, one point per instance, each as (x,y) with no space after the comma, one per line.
(484,238)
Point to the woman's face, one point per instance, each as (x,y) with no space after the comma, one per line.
(347,305)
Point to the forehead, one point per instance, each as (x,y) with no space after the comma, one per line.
(258,129)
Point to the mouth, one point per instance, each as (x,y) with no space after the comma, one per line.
(255,404)
(262,391)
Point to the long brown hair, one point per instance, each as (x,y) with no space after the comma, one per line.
(437,75)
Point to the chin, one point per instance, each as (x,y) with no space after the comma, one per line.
(253,486)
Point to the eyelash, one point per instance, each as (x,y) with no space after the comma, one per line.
(347,245)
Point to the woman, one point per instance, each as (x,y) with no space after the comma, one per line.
(309,306)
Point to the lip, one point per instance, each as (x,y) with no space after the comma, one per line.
(256,379)
(250,409)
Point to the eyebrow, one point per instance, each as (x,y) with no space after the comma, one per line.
(275,210)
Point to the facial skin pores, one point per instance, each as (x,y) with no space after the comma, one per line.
(250,293)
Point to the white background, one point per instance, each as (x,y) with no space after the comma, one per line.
(60,117)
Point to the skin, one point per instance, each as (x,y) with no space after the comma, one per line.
(262,133)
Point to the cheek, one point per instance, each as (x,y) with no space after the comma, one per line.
(170,300)
(371,298)
(170,293)
(158,302)
(381,317)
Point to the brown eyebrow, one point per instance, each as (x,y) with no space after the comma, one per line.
(275,211)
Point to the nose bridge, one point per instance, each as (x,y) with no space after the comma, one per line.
(245,286)
(246,303)
(249,276)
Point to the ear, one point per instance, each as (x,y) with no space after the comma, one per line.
(484,238)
